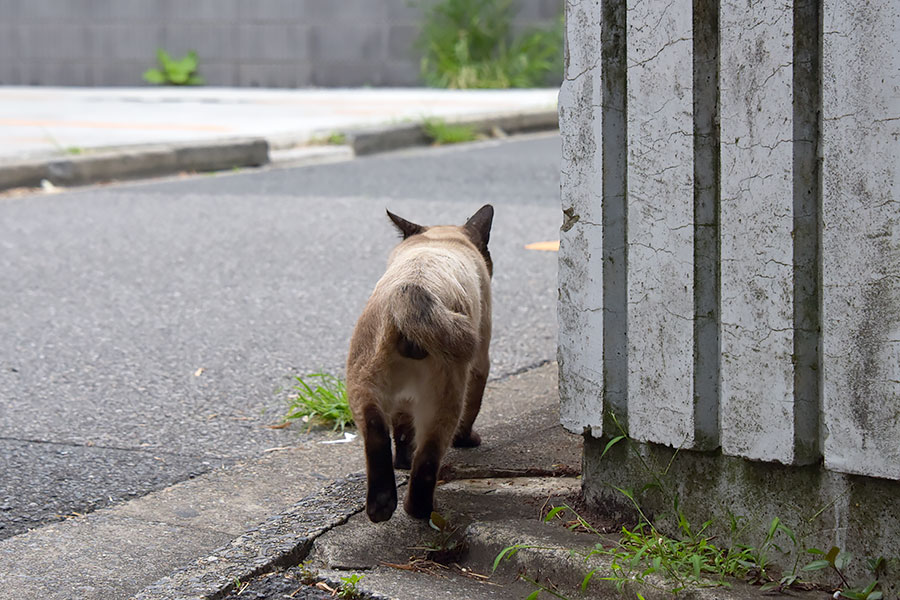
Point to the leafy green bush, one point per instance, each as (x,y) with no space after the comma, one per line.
(174,71)
(469,44)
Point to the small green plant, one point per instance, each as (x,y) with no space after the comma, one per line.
(838,561)
(469,44)
(335,138)
(449,545)
(306,573)
(441,132)
(691,558)
(349,586)
(325,401)
(174,71)
(239,586)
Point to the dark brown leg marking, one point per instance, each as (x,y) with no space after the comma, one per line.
(404,434)
(381,497)
(420,496)
(465,437)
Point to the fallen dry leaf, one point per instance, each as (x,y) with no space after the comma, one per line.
(325,587)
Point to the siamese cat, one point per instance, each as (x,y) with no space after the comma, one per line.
(418,358)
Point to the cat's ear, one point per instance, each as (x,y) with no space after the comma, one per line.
(406,228)
(478,227)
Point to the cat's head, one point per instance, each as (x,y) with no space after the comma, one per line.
(477,230)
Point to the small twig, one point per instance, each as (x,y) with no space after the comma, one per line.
(544,505)
(841,575)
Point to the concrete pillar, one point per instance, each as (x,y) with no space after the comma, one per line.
(636,305)
(861,237)
(764,415)
(730,259)
(581,331)
(660,232)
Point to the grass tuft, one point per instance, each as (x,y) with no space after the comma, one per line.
(335,138)
(441,132)
(323,401)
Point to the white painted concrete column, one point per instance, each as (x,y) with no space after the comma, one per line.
(861,237)
(581,237)
(660,222)
(757,417)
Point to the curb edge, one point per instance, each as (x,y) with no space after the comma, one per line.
(282,540)
(154,160)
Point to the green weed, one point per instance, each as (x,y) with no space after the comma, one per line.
(349,586)
(441,132)
(469,44)
(335,138)
(691,558)
(838,561)
(174,71)
(450,543)
(324,402)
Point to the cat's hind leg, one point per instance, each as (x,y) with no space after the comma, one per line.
(381,493)
(404,438)
(465,437)
(436,417)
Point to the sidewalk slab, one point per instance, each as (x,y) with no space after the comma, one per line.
(42,121)
(511,442)
(76,136)
(282,540)
(182,524)
(114,552)
(52,562)
(392,556)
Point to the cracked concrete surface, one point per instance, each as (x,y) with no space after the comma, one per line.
(729,252)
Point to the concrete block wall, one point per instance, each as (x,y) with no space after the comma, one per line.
(730,256)
(730,264)
(730,252)
(266,43)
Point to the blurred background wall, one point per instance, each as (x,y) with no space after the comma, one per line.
(265,43)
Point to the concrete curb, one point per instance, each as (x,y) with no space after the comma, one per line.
(282,540)
(393,137)
(133,162)
(136,161)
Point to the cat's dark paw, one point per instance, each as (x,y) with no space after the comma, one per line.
(418,508)
(381,505)
(467,441)
(402,461)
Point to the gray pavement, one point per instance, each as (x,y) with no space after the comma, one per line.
(178,542)
(152,330)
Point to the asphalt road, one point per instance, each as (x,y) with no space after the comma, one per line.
(150,332)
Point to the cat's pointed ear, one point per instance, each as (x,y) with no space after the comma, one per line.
(406,228)
(478,227)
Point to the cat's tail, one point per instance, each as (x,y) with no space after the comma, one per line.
(427,327)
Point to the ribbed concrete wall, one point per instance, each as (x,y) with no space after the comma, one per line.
(730,253)
(268,43)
